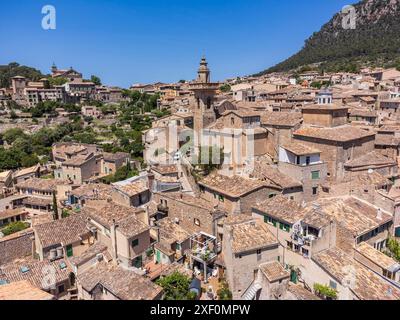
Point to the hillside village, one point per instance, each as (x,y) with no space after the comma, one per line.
(103,188)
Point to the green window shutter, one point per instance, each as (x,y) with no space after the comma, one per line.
(70,251)
(135,242)
(138,262)
(266,219)
(315,175)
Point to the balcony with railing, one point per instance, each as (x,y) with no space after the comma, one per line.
(204,248)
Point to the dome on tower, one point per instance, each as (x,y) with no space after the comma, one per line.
(203,64)
(203,72)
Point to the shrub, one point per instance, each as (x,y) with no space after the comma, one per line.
(223,292)
(176,287)
(14,227)
(325,291)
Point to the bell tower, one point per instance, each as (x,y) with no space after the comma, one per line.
(53,68)
(203,74)
(204,93)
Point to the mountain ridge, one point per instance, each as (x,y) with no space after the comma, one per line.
(375,40)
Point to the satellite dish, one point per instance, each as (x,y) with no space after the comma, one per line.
(370,171)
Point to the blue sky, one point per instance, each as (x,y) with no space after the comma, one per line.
(132,41)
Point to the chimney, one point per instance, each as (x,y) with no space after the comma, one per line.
(151,178)
(379,214)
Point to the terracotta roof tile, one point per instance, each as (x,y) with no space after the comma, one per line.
(367,285)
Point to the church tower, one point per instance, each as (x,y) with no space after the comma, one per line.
(204,92)
(203,74)
(54,68)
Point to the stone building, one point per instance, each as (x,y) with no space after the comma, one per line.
(193,214)
(123,230)
(280,126)
(350,279)
(235,194)
(106,281)
(337,145)
(246,245)
(286,184)
(62,238)
(377,261)
(304,164)
(301,233)
(325,115)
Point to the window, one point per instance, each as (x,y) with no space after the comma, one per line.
(61,289)
(333,284)
(69,250)
(315,191)
(284,227)
(308,160)
(197,222)
(178,246)
(269,220)
(135,243)
(232,121)
(315,175)
(312,231)
(221,198)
